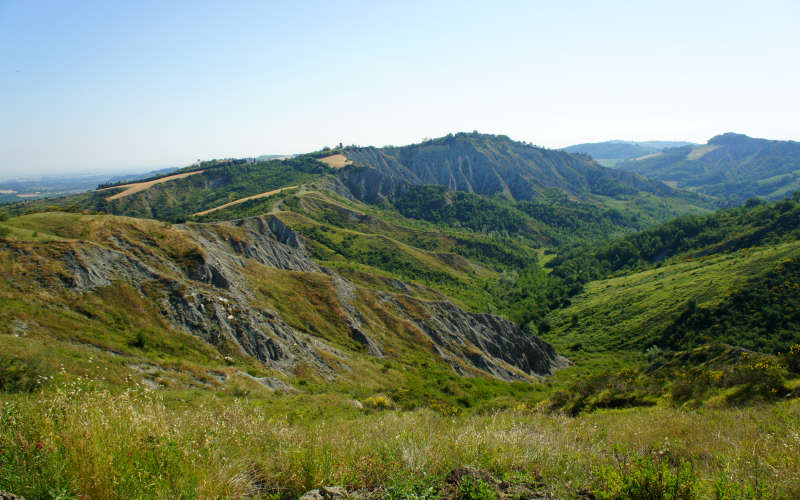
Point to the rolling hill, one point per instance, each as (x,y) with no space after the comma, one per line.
(700,310)
(389,319)
(731,166)
(609,153)
(143,290)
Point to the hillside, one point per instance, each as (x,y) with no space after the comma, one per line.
(609,153)
(582,200)
(246,290)
(487,165)
(257,329)
(660,306)
(323,327)
(731,166)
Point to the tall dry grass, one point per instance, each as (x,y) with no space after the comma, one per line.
(83,443)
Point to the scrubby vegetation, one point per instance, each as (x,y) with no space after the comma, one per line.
(177,200)
(731,166)
(748,226)
(79,441)
(555,222)
(683,337)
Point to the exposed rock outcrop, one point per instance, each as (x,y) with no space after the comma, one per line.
(204,292)
(487,342)
(203,284)
(483,164)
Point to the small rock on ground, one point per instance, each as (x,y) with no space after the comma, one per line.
(4,495)
(326,493)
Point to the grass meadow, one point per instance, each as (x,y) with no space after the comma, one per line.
(76,440)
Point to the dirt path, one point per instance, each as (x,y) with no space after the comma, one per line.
(137,187)
(242,200)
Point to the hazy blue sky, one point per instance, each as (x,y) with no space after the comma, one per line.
(103,85)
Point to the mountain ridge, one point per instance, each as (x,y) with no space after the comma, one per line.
(485,164)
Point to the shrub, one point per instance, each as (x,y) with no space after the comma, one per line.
(646,479)
(413,488)
(752,378)
(624,389)
(138,341)
(19,375)
(792,359)
(475,488)
(238,391)
(378,402)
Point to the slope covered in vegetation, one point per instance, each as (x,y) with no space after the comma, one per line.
(609,153)
(731,166)
(393,346)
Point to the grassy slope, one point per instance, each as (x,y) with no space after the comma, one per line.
(629,312)
(177,200)
(732,166)
(78,441)
(125,328)
(245,440)
(363,247)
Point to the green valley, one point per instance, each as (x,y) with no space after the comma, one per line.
(468,317)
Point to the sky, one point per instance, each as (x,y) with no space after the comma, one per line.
(90,86)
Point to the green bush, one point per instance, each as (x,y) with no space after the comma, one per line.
(474,488)
(792,359)
(20,375)
(414,488)
(626,388)
(646,479)
(138,341)
(752,378)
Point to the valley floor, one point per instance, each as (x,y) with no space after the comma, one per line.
(76,441)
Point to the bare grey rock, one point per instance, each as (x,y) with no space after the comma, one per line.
(206,292)
(325,493)
(270,383)
(487,342)
(346,293)
(333,492)
(312,495)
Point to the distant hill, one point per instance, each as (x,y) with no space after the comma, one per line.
(610,152)
(730,165)
(271,157)
(488,165)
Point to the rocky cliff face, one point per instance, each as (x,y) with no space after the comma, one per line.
(487,165)
(205,285)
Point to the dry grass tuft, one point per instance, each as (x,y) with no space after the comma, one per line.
(96,444)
